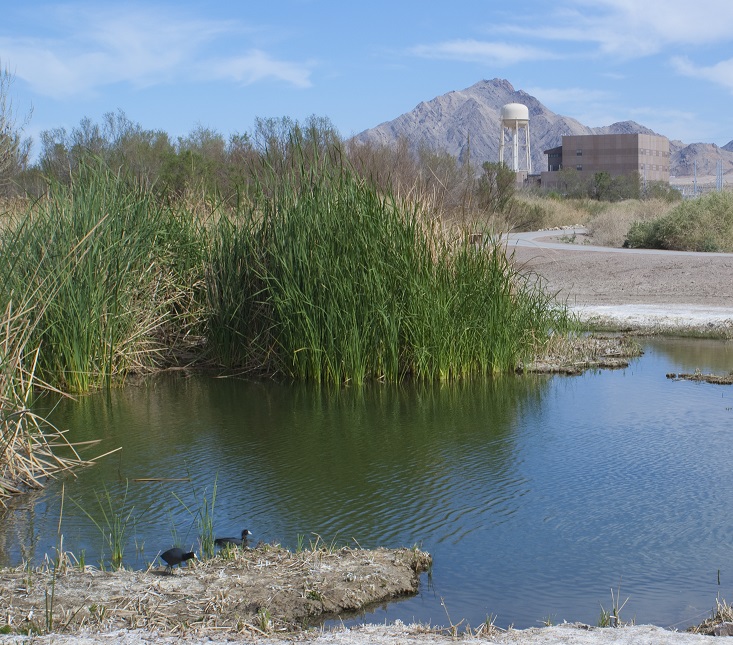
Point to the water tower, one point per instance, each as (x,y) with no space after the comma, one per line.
(513,117)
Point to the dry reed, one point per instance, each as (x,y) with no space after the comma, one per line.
(31,449)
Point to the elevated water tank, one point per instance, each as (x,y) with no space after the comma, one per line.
(512,112)
(515,116)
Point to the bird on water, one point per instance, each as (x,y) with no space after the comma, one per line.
(175,556)
(225,541)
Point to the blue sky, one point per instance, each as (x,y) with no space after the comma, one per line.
(175,65)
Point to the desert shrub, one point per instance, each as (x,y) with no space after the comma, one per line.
(661,190)
(536,212)
(526,216)
(703,224)
(610,225)
(496,187)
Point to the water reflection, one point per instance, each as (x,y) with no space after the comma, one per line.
(381,465)
(536,496)
(689,354)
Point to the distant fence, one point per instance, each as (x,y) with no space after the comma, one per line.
(690,191)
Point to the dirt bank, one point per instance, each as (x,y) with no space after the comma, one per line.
(264,589)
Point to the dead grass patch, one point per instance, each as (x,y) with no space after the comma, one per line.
(576,354)
(258,591)
(722,613)
(610,226)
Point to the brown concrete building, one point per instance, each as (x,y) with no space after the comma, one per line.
(616,154)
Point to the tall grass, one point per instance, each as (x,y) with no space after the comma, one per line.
(329,280)
(96,253)
(317,275)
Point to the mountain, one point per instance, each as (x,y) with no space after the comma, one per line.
(469,119)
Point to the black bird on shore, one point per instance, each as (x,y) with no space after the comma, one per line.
(174,557)
(225,541)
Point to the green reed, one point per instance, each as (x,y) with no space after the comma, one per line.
(315,274)
(95,254)
(326,279)
(113,520)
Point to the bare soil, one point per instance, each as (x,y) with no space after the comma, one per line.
(618,278)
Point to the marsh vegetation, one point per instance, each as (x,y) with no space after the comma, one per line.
(284,252)
(310,272)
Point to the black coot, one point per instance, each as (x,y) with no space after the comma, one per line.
(232,540)
(174,557)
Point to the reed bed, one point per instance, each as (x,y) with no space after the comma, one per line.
(85,284)
(321,277)
(31,449)
(98,254)
(315,275)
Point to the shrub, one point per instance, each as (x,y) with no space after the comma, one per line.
(703,224)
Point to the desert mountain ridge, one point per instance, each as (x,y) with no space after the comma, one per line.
(468,120)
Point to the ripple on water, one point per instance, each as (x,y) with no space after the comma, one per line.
(535,496)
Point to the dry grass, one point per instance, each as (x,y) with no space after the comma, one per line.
(554,213)
(31,449)
(722,613)
(569,354)
(9,209)
(253,591)
(610,225)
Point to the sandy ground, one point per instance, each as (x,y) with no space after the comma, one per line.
(634,289)
(638,290)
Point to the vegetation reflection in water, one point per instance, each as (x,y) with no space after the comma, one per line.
(535,495)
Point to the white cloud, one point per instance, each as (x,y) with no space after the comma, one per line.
(142,47)
(255,66)
(476,51)
(663,22)
(721,73)
(627,29)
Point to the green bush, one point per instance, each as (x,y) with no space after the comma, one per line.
(703,224)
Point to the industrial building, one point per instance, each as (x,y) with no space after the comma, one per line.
(617,154)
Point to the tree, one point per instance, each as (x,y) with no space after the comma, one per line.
(496,187)
(602,184)
(14,150)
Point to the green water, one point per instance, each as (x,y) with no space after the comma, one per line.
(536,495)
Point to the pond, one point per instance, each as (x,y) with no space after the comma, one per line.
(536,495)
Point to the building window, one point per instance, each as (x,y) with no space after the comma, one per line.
(579,166)
(579,152)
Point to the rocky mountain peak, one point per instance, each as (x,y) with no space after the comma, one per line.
(448,122)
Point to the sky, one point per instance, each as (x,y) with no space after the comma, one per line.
(179,65)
